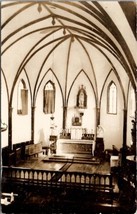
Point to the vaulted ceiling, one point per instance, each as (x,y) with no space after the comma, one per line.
(68,37)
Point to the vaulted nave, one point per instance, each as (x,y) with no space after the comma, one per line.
(68,107)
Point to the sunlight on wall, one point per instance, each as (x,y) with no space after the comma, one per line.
(43,121)
(4,112)
(21,123)
(112,123)
(131,114)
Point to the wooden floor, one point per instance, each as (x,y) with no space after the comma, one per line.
(68,163)
(44,163)
(73,201)
(50,200)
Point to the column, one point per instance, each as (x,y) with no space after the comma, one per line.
(124,136)
(10,128)
(32,122)
(64,116)
(98,116)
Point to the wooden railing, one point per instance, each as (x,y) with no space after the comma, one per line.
(58,179)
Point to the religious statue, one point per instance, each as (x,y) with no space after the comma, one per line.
(82,98)
(100,131)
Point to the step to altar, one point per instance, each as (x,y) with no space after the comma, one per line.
(78,158)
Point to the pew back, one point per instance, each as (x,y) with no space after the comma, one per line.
(33,149)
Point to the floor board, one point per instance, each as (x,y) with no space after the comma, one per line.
(38,163)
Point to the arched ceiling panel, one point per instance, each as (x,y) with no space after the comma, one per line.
(85,61)
(39,29)
(100,64)
(44,59)
(23,29)
(12,9)
(121,22)
(58,62)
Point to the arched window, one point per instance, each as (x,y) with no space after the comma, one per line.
(22,99)
(112,98)
(49,98)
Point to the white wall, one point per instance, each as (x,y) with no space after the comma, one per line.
(89,117)
(21,124)
(112,124)
(4,112)
(130,114)
(42,120)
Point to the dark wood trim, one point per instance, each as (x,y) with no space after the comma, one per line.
(64,116)
(118,36)
(30,90)
(16,13)
(98,115)
(32,122)
(23,65)
(24,26)
(10,128)
(31,32)
(124,149)
(67,66)
(65,95)
(35,87)
(91,67)
(130,10)
(6,84)
(113,29)
(11,4)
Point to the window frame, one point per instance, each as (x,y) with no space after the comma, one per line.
(108,99)
(24,108)
(44,98)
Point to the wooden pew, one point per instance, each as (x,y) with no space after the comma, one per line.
(33,150)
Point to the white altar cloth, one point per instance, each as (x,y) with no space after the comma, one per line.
(68,146)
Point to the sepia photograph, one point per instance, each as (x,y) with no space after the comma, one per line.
(68,107)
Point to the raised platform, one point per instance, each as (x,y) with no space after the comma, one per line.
(76,158)
(67,146)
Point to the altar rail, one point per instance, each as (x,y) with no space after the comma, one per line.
(58,179)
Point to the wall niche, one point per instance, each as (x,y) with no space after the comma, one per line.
(81,101)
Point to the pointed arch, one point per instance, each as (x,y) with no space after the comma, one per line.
(22,98)
(120,83)
(25,61)
(131,98)
(29,85)
(82,98)
(49,70)
(90,84)
(49,98)
(5,84)
(112,98)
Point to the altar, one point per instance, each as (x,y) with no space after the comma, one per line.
(69,146)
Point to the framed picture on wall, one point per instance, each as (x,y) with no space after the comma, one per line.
(76,121)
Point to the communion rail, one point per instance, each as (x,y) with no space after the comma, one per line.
(57,179)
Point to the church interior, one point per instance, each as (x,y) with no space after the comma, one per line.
(68,107)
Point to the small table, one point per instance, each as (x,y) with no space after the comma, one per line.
(45,150)
(114,161)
